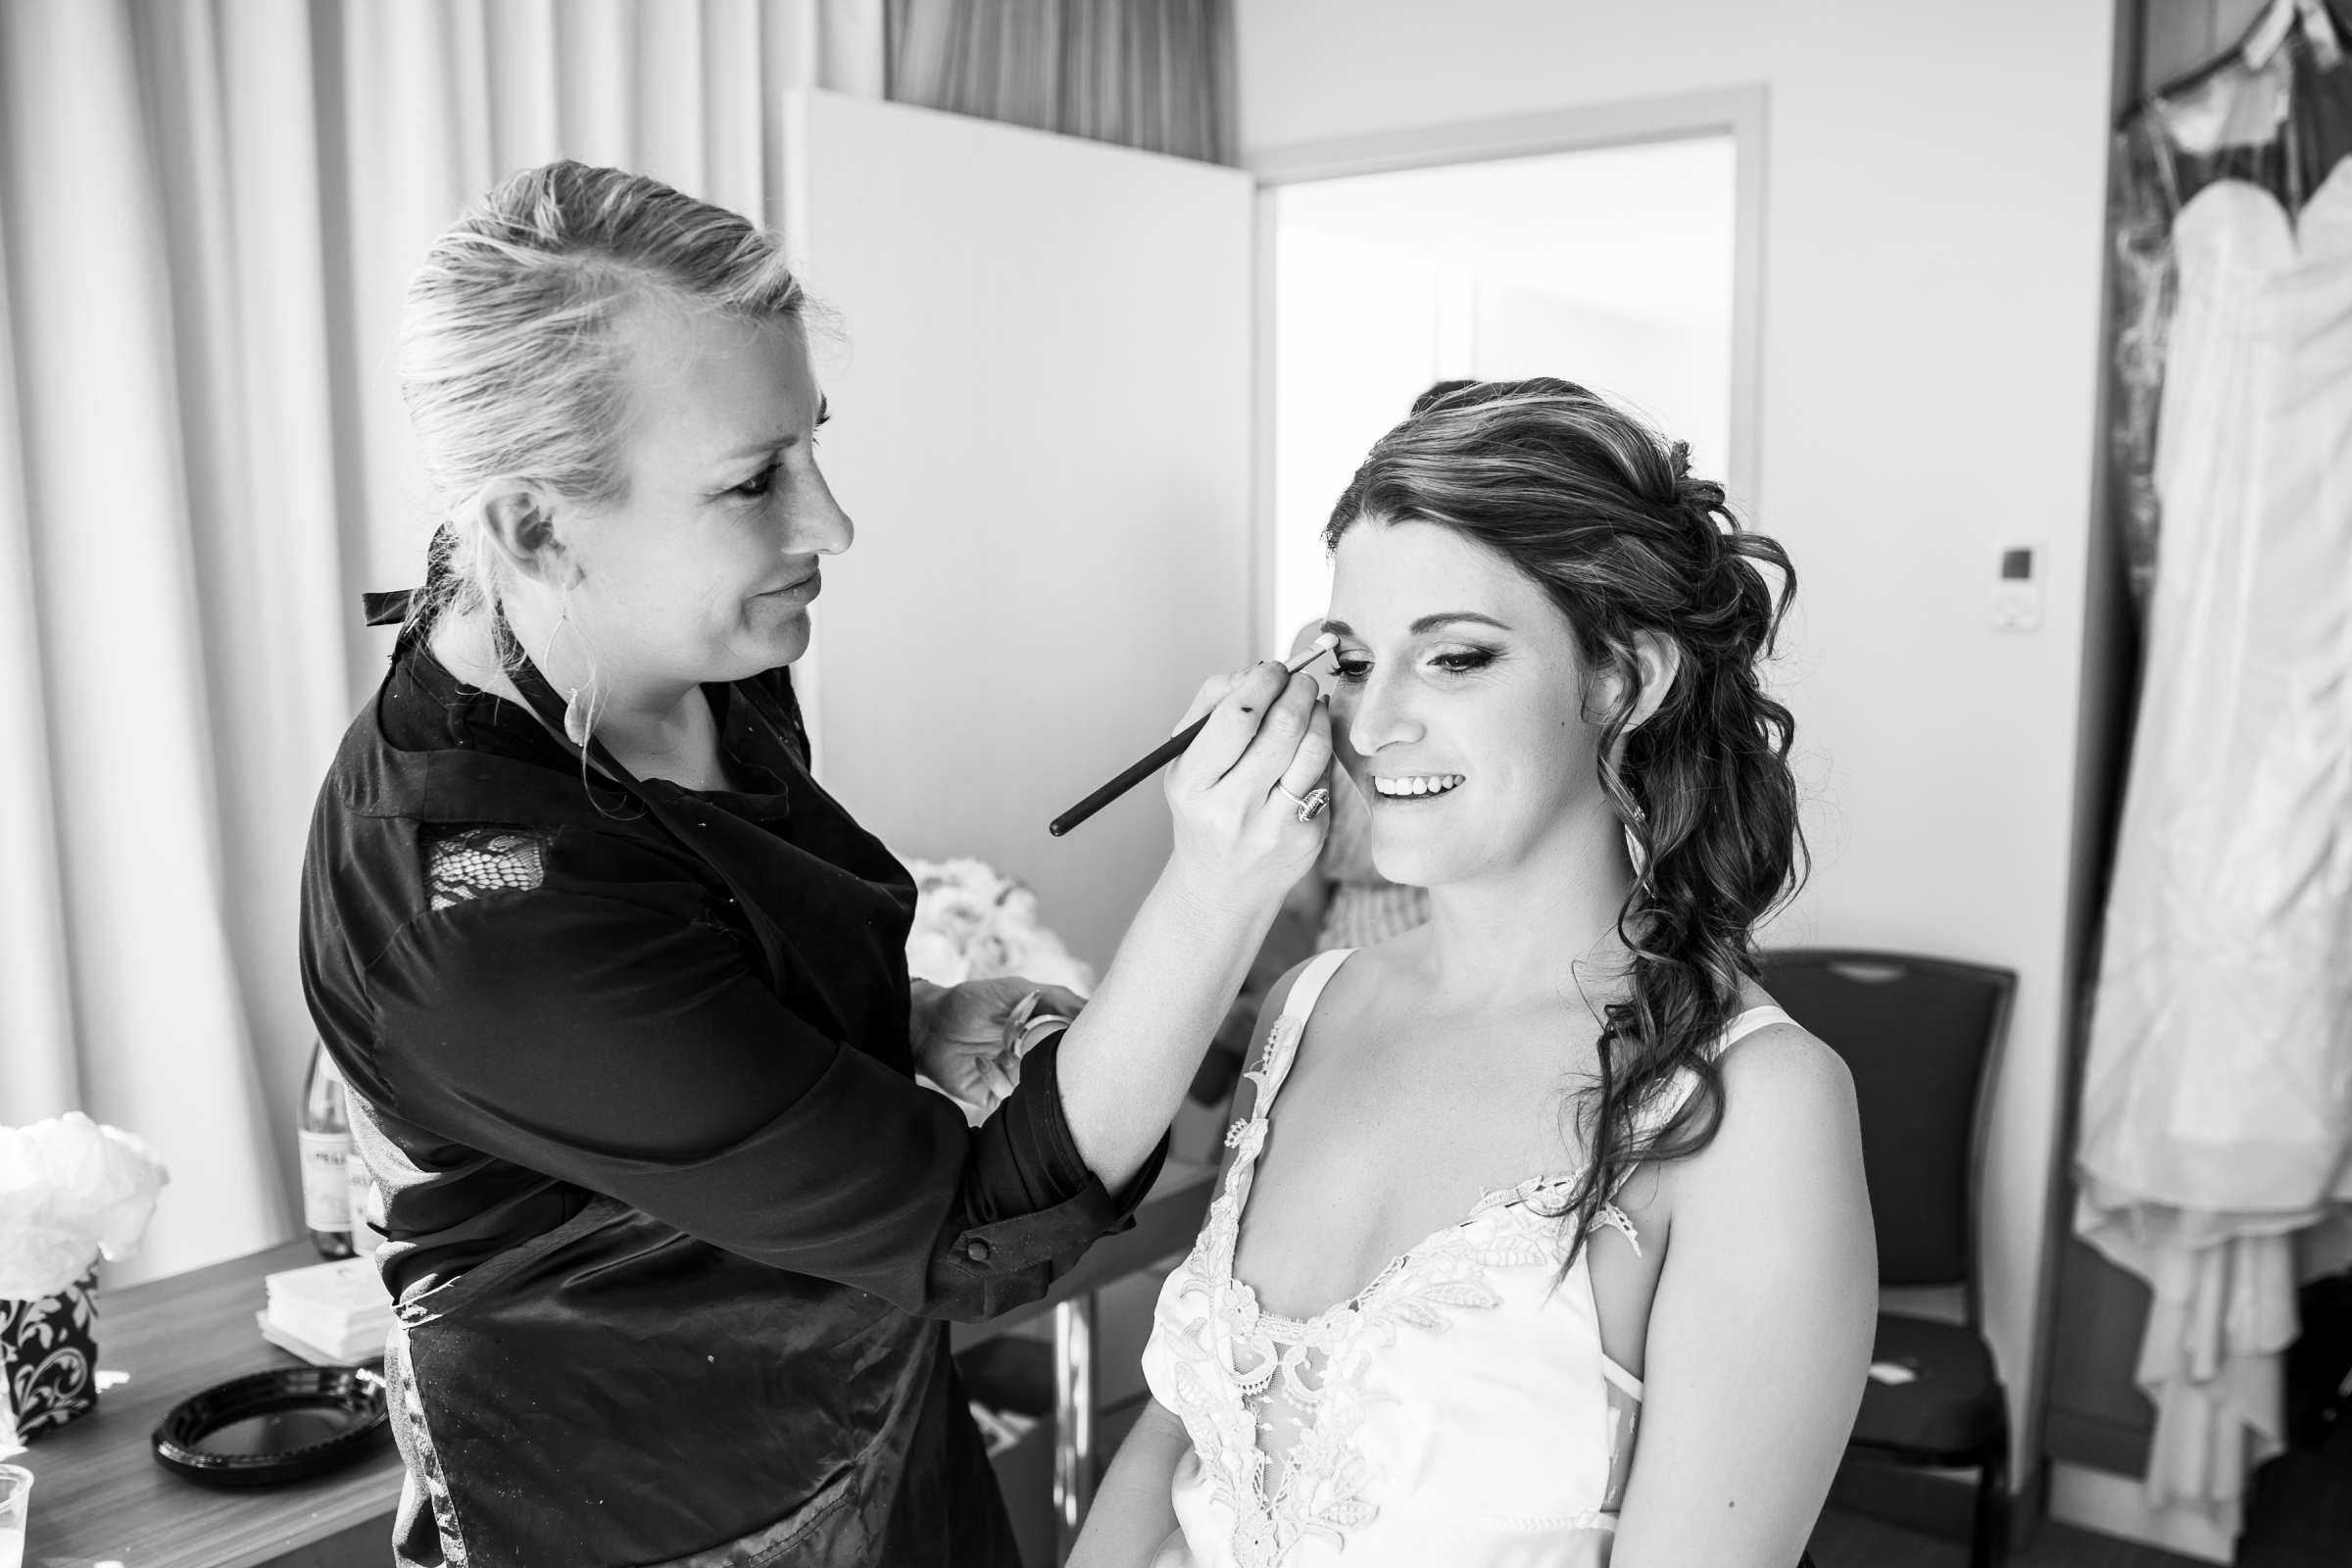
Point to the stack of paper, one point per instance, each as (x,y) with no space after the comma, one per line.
(331,1314)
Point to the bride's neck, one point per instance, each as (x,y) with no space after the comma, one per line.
(1544,929)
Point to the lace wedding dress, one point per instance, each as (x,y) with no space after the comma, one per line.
(1459,1410)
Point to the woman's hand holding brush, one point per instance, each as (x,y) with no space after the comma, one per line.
(1248,824)
(1241,794)
(1174,745)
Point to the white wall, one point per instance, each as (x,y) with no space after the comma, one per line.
(1336,386)
(1610,265)
(1676,375)
(1933,196)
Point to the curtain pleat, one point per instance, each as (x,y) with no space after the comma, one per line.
(39,1074)
(161,1031)
(734,172)
(241,221)
(520,35)
(668,47)
(1148,73)
(209,215)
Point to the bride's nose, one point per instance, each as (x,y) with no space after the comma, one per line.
(1381,715)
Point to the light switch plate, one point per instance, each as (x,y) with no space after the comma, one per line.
(2019,565)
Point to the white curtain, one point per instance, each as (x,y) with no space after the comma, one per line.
(208,210)
(1150,73)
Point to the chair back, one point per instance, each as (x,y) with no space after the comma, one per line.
(1923,1039)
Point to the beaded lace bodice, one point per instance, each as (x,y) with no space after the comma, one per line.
(1458,1408)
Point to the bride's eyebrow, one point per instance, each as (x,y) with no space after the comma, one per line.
(1427,623)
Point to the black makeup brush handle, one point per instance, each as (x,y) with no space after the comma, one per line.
(1157,758)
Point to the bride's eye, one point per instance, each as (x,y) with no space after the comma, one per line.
(1350,670)
(1463,660)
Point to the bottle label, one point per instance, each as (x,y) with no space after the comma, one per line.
(325,1205)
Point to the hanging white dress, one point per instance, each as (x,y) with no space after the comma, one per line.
(2217,1101)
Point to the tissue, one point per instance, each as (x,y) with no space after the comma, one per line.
(70,1190)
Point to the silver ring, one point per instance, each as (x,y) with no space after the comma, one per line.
(1311,806)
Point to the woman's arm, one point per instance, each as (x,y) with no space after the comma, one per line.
(1132,1517)
(1759,1338)
(594,1030)
(1127,1061)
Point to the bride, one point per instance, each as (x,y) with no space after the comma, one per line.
(1543,1240)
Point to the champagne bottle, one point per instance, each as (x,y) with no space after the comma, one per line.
(324,1133)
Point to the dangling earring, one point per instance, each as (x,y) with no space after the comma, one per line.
(1635,821)
(575,719)
(579,710)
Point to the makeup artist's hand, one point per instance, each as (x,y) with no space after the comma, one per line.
(1267,728)
(959,1038)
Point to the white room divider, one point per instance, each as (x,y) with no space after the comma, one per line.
(1042,428)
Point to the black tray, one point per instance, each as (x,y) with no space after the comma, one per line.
(275,1426)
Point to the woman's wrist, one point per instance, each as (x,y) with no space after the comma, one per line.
(1215,905)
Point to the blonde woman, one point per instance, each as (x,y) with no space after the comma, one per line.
(621,992)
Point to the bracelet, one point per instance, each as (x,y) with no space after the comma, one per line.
(1025,1026)
(1044,1024)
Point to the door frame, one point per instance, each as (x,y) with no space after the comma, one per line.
(1738,112)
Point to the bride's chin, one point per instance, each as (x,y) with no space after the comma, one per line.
(1414,866)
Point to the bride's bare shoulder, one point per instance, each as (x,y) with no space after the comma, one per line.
(1784,1093)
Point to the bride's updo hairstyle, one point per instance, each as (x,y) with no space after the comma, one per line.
(510,362)
(1606,517)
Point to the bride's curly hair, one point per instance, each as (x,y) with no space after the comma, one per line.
(1605,516)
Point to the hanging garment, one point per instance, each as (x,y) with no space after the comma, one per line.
(2217,1101)
(2280,127)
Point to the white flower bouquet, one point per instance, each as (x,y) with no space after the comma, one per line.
(971,923)
(69,1191)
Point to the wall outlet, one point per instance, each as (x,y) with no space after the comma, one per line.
(2017,587)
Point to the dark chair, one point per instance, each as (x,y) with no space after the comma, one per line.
(1922,1038)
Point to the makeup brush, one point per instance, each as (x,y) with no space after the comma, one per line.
(1167,752)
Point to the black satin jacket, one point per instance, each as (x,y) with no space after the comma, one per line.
(673,1232)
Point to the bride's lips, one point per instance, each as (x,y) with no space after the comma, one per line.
(798,593)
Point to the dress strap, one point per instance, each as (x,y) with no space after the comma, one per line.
(1673,1094)
(1313,976)
(1282,1044)
(1221,1231)
(1748,1022)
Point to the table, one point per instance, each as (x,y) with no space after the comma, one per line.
(99,1495)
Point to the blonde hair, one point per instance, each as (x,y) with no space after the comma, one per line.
(509,362)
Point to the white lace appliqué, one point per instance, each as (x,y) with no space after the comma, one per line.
(1325,1487)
